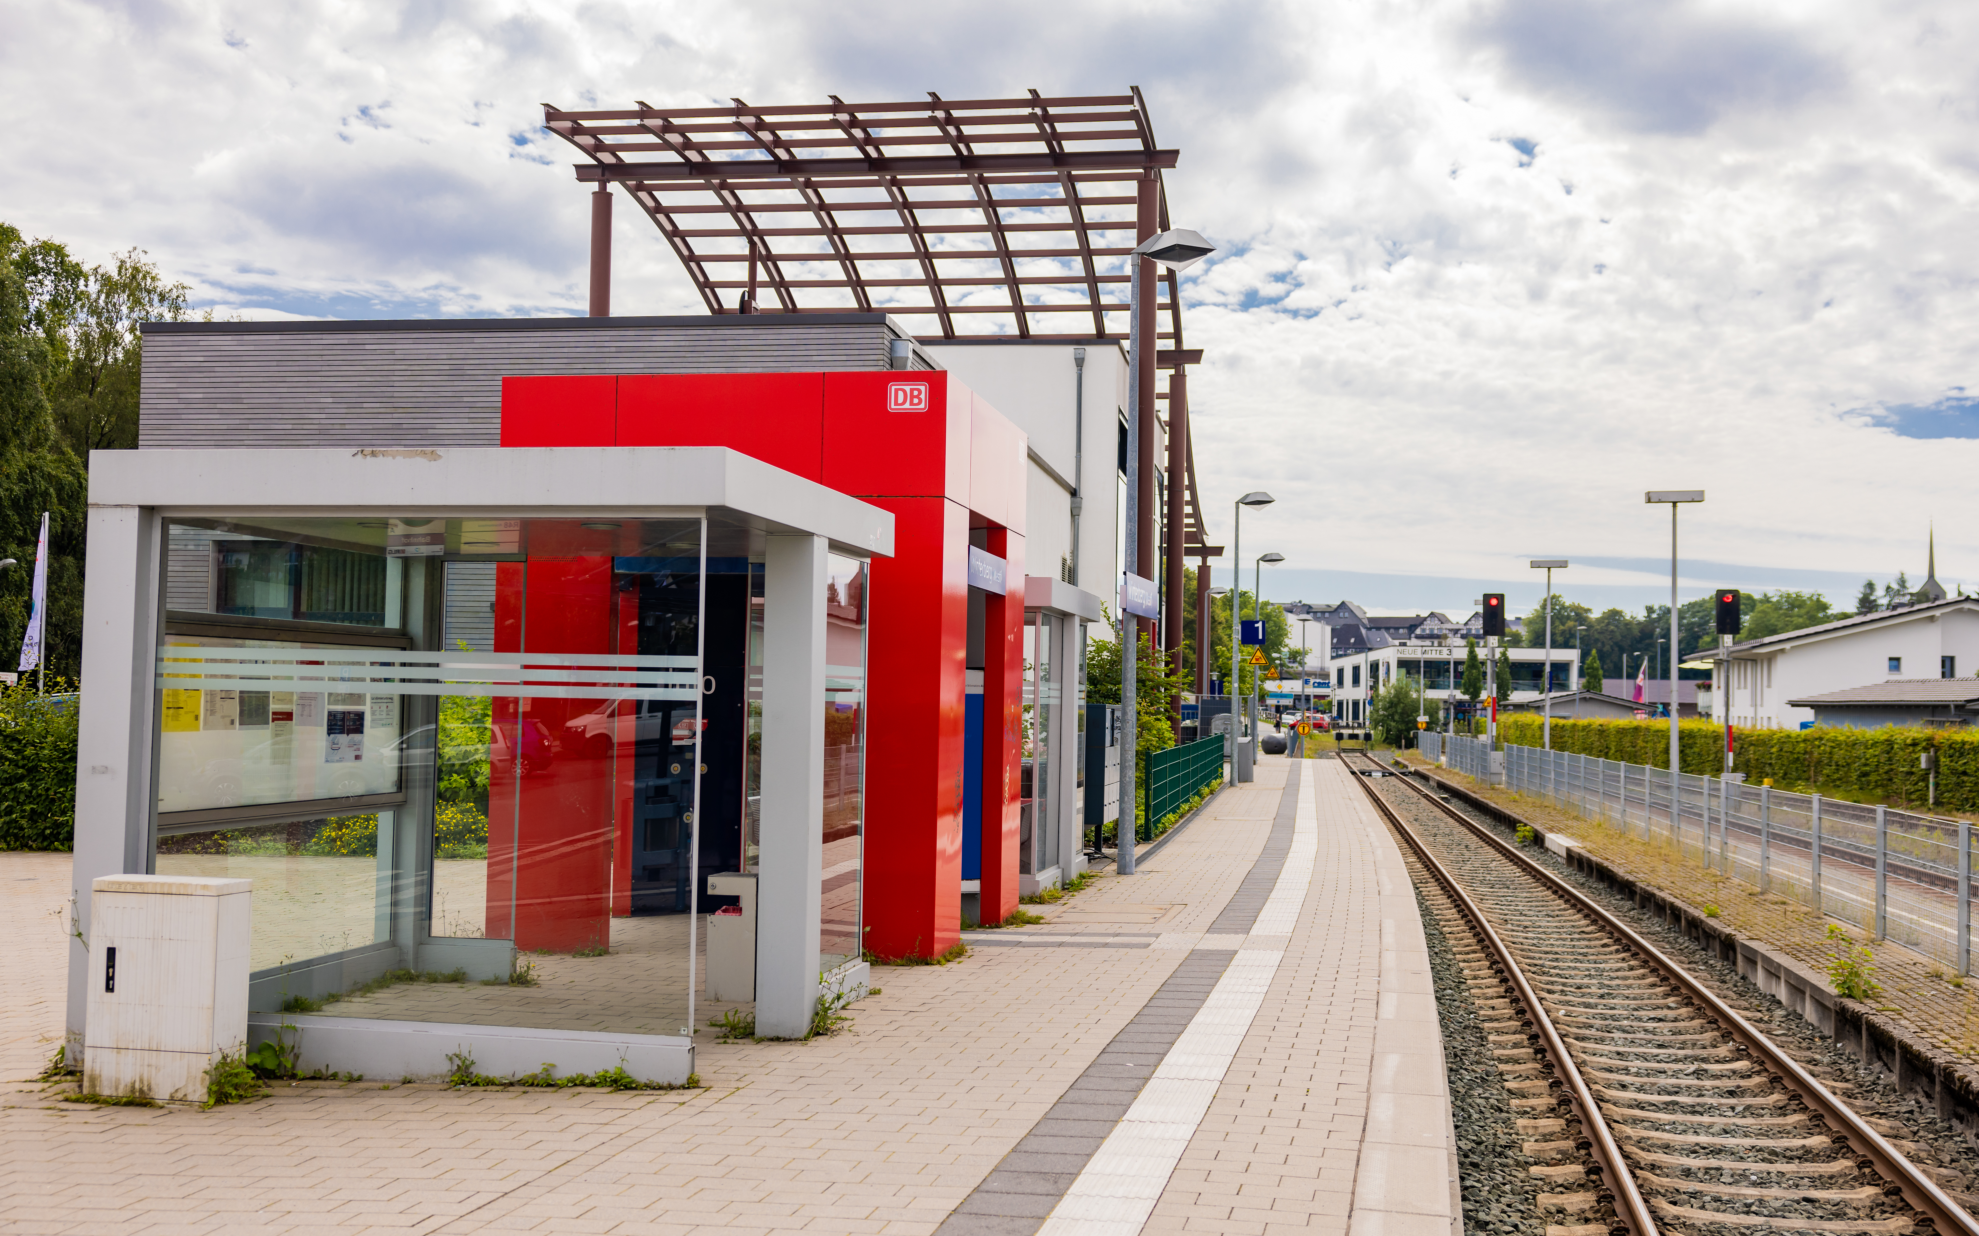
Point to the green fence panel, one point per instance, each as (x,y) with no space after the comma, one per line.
(1176,775)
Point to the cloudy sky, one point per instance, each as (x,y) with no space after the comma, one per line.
(1490,269)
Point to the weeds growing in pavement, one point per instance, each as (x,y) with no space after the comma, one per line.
(464,1076)
(112,1100)
(1710,911)
(1071,888)
(58,1067)
(1525,834)
(1018,918)
(1851,971)
(230,1079)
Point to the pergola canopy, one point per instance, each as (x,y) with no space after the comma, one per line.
(963,218)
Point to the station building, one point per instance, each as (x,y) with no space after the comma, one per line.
(1438,665)
(527,666)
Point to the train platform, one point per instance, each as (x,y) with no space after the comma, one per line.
(1241,1037)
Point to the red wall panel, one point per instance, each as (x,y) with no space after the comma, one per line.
(559,411)
(871,448)
(1003,731)
(915,649)
(774,417)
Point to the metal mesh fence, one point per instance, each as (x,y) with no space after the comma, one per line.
(1902,876)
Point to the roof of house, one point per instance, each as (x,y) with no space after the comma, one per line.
(1844,626)
(1961,692)
(1397,621)
(1568,697)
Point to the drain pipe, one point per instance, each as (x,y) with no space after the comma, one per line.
(1078,452)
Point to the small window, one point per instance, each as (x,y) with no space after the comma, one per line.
(1896,665)
(1947,667)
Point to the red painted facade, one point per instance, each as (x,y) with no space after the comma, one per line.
(920,445)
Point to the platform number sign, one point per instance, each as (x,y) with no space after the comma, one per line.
(1494,613)
(907,397)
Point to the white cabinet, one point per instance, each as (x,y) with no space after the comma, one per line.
(167,983)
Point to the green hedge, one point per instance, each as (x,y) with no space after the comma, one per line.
(37,767)
(1874,766)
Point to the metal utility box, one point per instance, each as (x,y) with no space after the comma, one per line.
(168,959)
(732,939)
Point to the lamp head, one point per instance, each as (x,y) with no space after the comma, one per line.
(1177,249)
(7,562)
(1256,497)
(1549,563)
(1673,495)
(1271,557)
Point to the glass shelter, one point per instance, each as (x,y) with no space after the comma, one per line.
(491,744)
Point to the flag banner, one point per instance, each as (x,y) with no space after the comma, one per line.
(37,619)
(1641,682)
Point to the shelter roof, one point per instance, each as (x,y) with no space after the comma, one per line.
(963,217)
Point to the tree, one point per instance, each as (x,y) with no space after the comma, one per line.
(1865,601)
(1787,610)
(69,368)
(1897,595)
(1566,616)
(1393,714)
(1590,677)
(1154,690)
(1473,687)
(1504,683)
(1277,630)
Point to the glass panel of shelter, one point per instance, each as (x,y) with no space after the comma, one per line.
(514,804)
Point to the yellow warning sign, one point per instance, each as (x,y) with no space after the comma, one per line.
(1257,658)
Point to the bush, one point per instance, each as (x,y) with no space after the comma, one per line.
(37,767)
(1862,765)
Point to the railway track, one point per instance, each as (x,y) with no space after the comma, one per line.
(1651,1103)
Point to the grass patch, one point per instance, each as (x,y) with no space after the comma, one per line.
(520,974)
(957,953)
(1018,918)
(1071,888)
(111,1100)
(57,1068)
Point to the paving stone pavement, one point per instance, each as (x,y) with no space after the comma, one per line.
(886,1127)
(1917,990)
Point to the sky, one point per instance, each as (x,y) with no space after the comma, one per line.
(1488,270)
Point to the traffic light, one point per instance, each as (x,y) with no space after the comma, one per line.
(1494,613)
(1728,616)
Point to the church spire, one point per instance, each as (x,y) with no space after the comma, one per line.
(1932,589)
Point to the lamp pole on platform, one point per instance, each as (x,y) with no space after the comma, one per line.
(1240,759)
(1546,683)
(1177,250)
(1676,498)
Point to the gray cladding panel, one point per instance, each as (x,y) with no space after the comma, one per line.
(434,388)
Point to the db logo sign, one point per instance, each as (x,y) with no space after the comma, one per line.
(907,397)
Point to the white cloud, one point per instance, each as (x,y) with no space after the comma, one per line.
(1491,269)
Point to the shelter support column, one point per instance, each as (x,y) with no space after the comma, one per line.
(113,752)
(1178,472)
(601,252)
(1066,748)
(793,805)
(1205,655)
(918,641)
(1003,731)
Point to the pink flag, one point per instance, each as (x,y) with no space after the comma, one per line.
(1641,681)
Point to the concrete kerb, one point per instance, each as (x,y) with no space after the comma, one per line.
(1916,1065)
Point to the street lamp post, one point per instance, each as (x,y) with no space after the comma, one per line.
(1257,600)
(1240,759)
(1176,250)
(1676,498)
(1546,683)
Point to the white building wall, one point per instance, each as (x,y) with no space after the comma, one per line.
(1037,387)
(1761,682)
(1351,700)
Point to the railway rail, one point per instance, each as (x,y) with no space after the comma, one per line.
(1688,1117)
